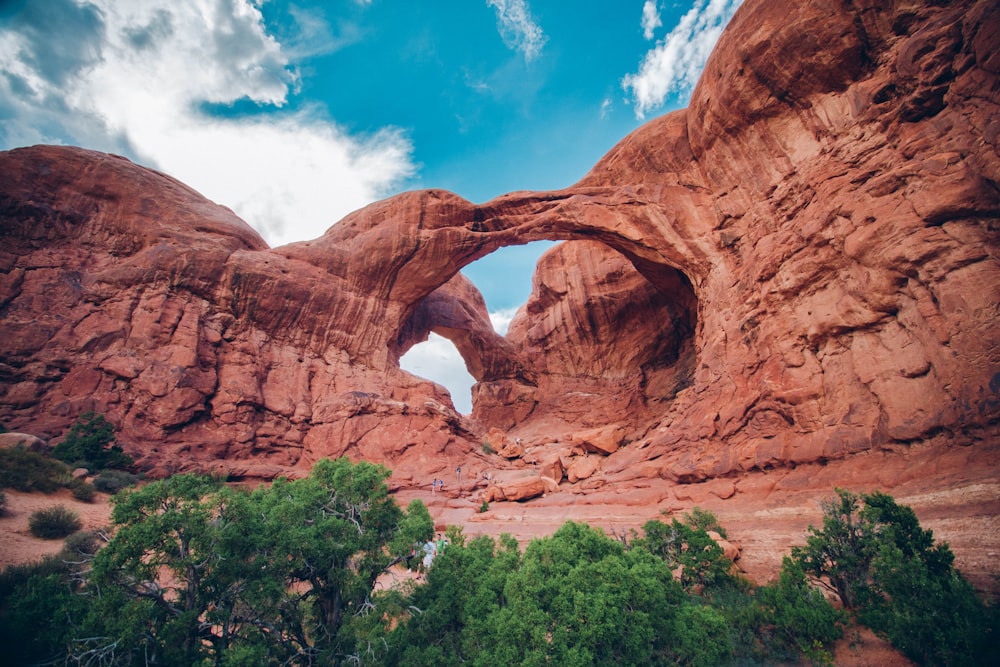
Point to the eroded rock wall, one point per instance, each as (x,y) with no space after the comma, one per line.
(800,266)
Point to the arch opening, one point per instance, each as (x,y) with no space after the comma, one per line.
(437,359)
(603,333)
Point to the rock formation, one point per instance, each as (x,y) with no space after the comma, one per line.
(799,267)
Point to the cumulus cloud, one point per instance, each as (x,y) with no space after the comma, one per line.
(437,359)
(517,28)
(650,19)
(140,78)
(675,63)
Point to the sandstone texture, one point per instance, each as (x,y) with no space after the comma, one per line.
(798,271)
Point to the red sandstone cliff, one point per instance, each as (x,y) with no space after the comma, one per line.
(798,268)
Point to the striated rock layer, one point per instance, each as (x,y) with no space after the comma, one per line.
(799,268)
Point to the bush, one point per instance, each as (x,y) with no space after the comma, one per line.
(54,523)
(113,481)
(91,439)
(80,545)
(30,471)
(802,618)
(81,489)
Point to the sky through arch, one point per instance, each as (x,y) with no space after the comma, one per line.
(504,279)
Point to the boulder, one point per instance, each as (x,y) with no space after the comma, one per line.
(25,440)
(582,467)
(604,441)
(730,550)
(516,487)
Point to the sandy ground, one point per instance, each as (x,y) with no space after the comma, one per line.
(17,545)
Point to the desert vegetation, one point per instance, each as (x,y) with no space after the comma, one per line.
(54,523)
(89,443)
(196,572)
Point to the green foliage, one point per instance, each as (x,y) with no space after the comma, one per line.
(25,470)
(575,598)
(113,481)
(799,618)
(889,571)
(842,550)
(35,601)
(81,489)
(706,520)
(278,574)
(488,447)
(484,507)
(700,637)
(54,523)
(91,440)
(701,561)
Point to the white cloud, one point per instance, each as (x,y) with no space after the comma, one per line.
(676,62)
(650,18)
(438,359)
(517,28)
(502,318)
(606,106)
(136,78)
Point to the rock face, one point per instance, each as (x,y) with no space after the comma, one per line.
(799,267)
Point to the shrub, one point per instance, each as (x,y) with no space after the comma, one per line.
(91,439)
(80,545)
(801,616)
(484,508)
(488,447)
(36,601)
(113,481)
(81,489)
(30,471)
(54,523)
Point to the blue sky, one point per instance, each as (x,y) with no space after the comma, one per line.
(296,112)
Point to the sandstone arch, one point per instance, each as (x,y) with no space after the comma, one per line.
(593,328)
(832,202)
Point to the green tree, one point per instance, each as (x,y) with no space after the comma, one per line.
(91,441)
(698,558)
(575,598)
(898,581)
(198,573)
(801,617)
(842,550)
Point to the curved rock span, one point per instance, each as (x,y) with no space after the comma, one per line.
(799,267)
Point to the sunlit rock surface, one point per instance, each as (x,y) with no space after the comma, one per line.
(800,269)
